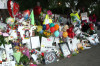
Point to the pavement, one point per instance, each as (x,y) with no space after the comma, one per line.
(90,57)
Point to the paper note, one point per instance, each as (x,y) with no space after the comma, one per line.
(46,43)
(35,42)
(11,63)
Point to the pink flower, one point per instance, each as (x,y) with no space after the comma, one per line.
(5,34)
(49,12)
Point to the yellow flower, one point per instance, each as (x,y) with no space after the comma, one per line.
(45,33)
(48,34)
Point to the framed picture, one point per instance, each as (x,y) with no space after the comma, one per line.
(27,34)
(64,49)
(32,31)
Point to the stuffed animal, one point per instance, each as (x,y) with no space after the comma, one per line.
(65,28)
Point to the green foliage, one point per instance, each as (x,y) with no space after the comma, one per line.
(2,40)
(24,59)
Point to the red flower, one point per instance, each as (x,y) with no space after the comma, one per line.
(42,54)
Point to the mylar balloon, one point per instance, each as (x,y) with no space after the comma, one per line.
(56,27)
(39,28)
(52,25)
(13,8)
(52,29)
(56,33)
(44,27)
(41,32)
(47,26)
(65,34)
(60,34)
(37,10)
(10,20)
(26,14)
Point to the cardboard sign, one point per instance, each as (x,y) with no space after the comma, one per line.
(73,43)
(64,48)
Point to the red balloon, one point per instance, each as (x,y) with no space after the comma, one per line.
(9,8)
(37,10)
(52,29)
(47,26)
(15,8)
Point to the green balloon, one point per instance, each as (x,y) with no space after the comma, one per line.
(52,25)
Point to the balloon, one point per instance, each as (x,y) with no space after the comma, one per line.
(37,10)
(10,20)
(13,8)
(56,27)
(52,25)
(44,27)
(47,26)
(52,29)
(41,31)
(26,14)
(60,34)
(39,28)
(17,56)
(26,17)
(65,34)
(56,33)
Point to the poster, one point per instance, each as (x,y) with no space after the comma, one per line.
(3,4)
(46,43)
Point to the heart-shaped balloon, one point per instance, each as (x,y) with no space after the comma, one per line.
(13,8)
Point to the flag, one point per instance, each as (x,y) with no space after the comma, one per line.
(32,18)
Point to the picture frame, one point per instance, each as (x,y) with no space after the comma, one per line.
(27,33)
(64,48)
